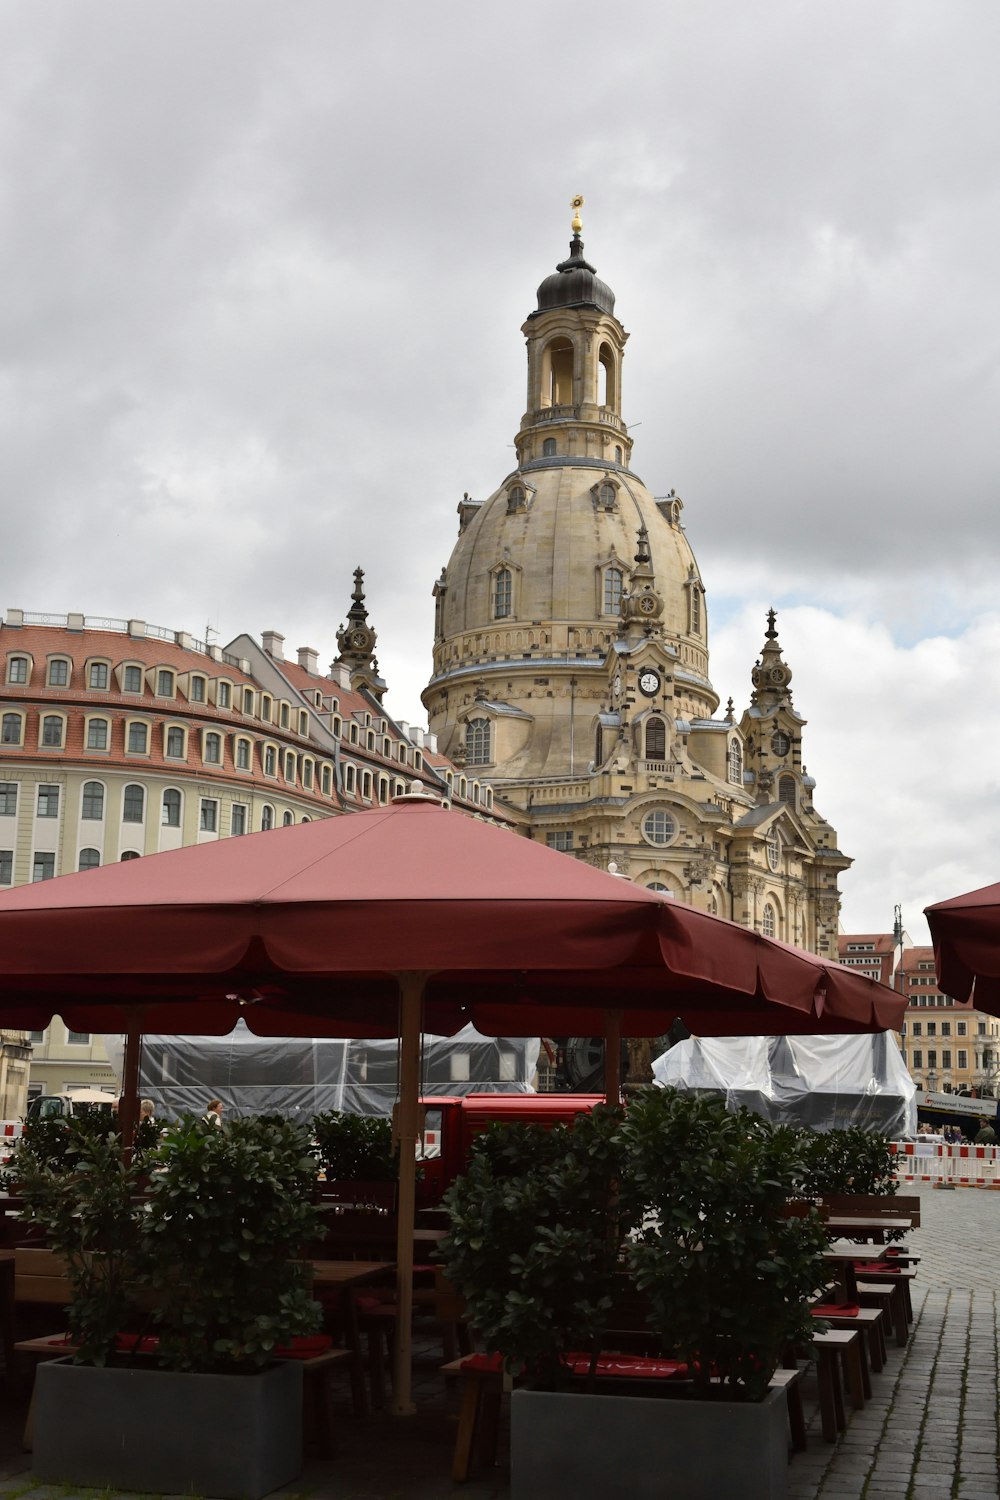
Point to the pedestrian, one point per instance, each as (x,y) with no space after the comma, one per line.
(986,1137)
(147,1111)
(213,1114)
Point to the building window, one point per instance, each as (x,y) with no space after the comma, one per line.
(6,866)
(78,1038)
(735,766)
(89,859)
(963,1059)
(265,707)
(270,760)
(287,819)
(561,839)
(326,781)
(52,731)
(132,679)
(772,845)
(477,742)
(918,1058)
(237,819)
(248,700)
(266,818)
(138,739)
(606,495)
(549,448)
(946,1028)
(170,815)
(133,804)
(695,610)
(658,827)
(366,785)
(350,779)
(97,734)
(283,716)
(960,1025)
(48,801)
(946,1058)
(769,921)
(917,1028)
(164,684)
(786,790)
(129,854)
(11,729)
(17,669)
(656,739)
(92,806)
(43,867)
(613,580)
(58,672)
(307,774)
(8,799)
(175,743)
(502,593)
(99,675)
(197,693)
(242,755)
(290,766)
(213,749)
(209,820)
(224,695)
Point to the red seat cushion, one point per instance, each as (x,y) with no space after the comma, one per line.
(134,1343)
(634,1366)
(305,1346)
(866,1267)
(835,1310)
(493,1363)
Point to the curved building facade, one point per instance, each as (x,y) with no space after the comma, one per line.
(571,660)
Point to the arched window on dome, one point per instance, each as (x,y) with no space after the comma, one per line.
(607,378)
(598,747)
(695,609)
(613,582)
(502,594)
(786,790)
(478,749)
(516,498)
(735,762)
(549,448)
(656,740)
(557,373)
(607,495)
(769,921)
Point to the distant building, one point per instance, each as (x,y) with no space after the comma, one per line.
(120,739)
(947,1046)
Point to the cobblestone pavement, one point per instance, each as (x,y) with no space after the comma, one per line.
(929,1433)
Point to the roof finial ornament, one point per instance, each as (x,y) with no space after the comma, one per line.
(770,632)
(576,203)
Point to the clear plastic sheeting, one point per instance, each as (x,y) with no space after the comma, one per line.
(300,1077)
(825,1082)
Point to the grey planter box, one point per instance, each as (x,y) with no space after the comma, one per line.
(571,1446)
(234,1437)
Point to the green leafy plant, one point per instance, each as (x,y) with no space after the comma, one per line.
(534,1238)
(228,1212)
(727,1275)
(355,1148)
(848,1161)
(76,1187)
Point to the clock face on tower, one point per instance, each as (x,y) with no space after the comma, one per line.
(649,681)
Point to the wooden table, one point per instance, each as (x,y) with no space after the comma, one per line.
(344,1277)
(867,1226)
(842,1255)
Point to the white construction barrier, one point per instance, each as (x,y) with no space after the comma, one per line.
(961,1166)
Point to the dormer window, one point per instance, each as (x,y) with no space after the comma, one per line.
(98,675)
(197,691)
(605,495)
(58,672)
(478,748)
(17,669)
(517,498)
(164,684)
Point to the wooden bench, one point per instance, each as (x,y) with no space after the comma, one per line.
(40,1277)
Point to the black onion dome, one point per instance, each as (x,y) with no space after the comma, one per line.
(575,283)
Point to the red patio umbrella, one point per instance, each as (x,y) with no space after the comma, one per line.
(965,931)
(395,921)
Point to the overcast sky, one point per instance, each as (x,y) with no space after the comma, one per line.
(264,268)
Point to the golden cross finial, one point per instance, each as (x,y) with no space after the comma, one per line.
(576,203)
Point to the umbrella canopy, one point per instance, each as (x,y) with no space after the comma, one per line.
(304,930)
(965,932)
(407,918)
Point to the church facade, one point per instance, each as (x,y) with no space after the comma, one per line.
(571,660)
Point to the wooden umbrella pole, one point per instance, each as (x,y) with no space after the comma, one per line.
(613,1057)
(411,988)
(128,1105)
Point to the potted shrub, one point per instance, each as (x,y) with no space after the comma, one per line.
(849,1161)
(195,1399)
(692,1198)
(357,1156)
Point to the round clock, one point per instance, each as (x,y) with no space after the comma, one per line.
(649,682)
